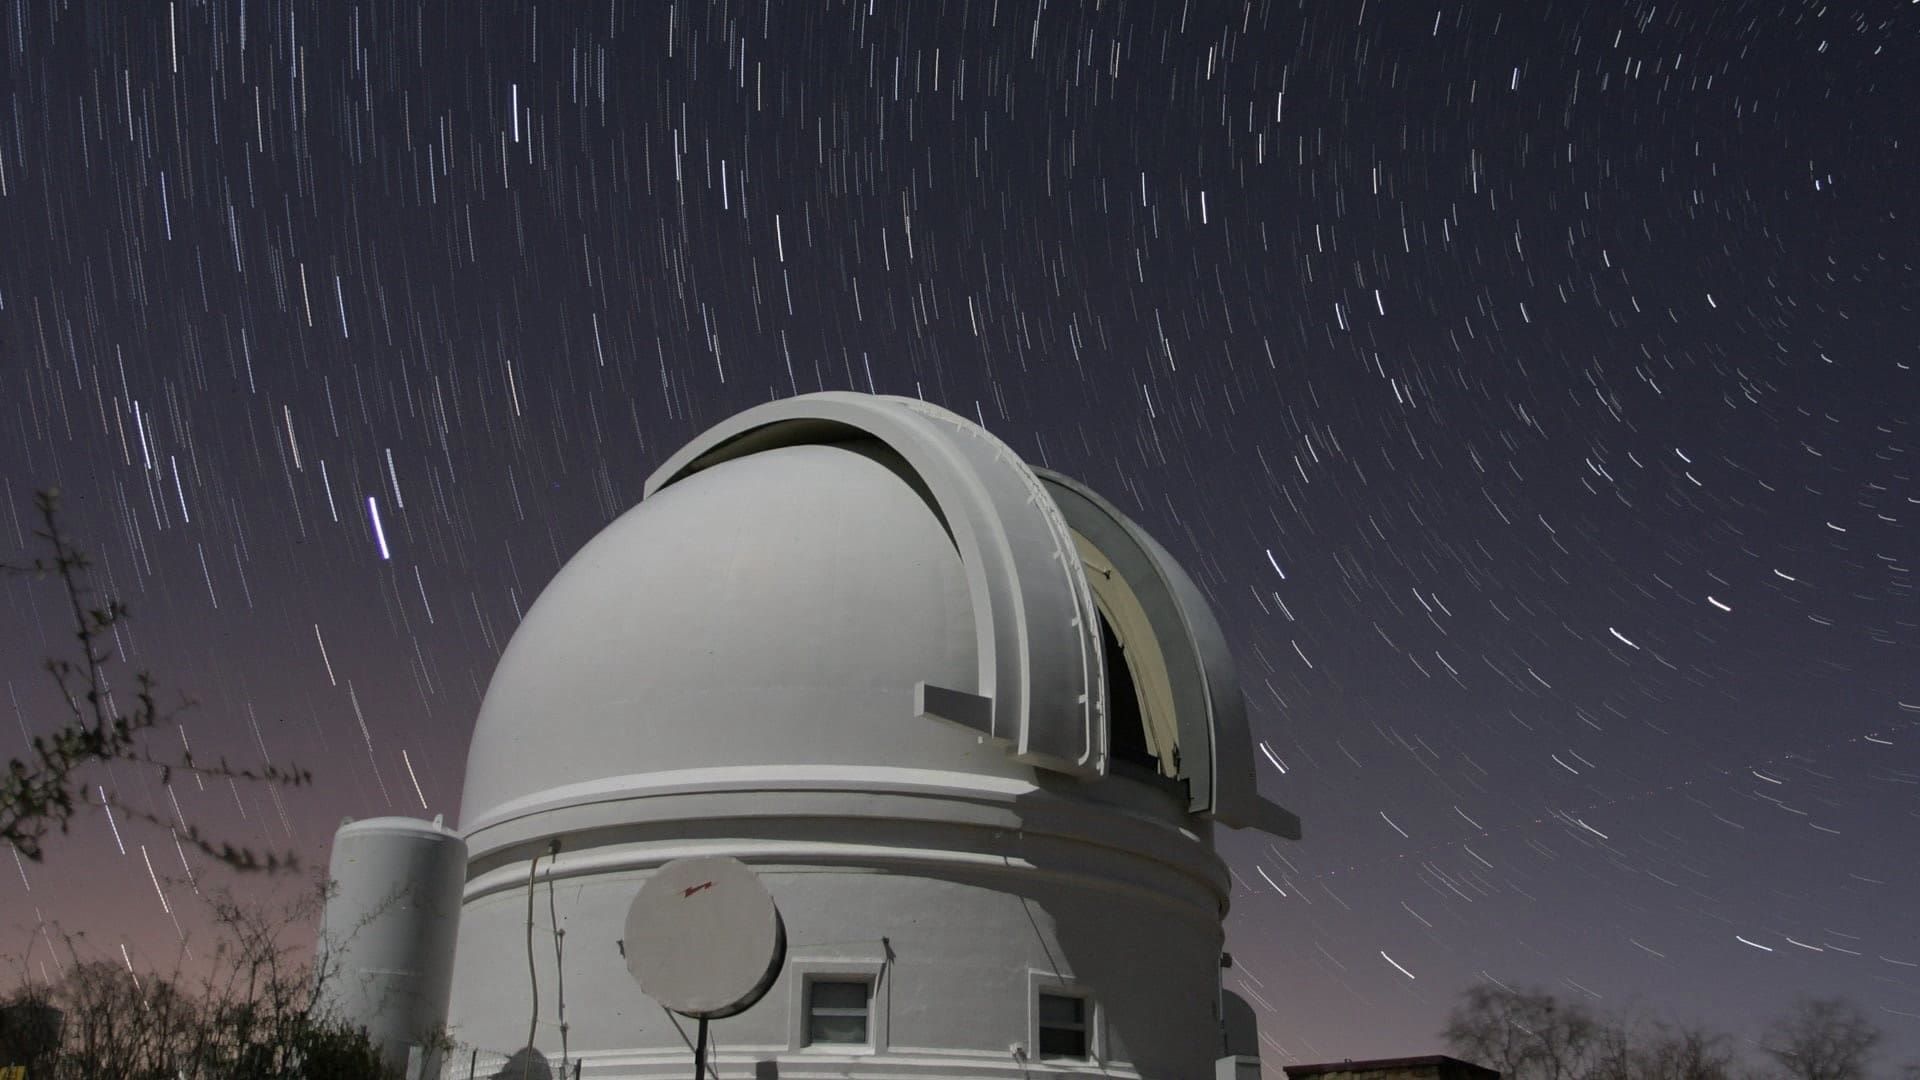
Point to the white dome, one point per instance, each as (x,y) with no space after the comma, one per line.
(772,610)
(840,588)
(969,725)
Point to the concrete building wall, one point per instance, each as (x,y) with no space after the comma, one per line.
(957,924)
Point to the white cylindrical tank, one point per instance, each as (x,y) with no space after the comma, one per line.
(387,939)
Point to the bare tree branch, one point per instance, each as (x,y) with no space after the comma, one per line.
(1823,1039)
(41,792)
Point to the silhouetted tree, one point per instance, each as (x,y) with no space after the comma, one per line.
(1823,1039)
(1688,1053)
(1659,1051)
(1533,1035)
(42,792)
(1526,1034)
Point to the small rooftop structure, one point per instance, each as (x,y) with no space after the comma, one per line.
(1426,1067)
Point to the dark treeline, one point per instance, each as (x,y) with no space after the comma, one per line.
(1530,1034)
(254,1013)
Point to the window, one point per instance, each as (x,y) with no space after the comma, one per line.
(1064,1021)
(837,1011)
(836,999)
(1063,1026)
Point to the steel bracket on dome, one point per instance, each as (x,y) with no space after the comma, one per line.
(970,711)
(1042,679)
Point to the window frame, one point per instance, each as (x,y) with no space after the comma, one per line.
(814,1012)
(804,972)
(1094,1018)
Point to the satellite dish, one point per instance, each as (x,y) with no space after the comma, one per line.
(704,938)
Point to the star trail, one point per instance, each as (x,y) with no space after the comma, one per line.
(1531,386)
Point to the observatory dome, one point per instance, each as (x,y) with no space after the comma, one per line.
(968,724)
(775,610)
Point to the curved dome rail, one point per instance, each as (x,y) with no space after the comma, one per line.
(1211,710)
(1037,633)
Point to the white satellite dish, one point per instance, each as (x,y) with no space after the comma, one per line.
(704,938)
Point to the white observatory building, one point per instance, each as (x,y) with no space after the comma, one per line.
(967,723)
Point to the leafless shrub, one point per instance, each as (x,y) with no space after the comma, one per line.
(254,1012)
(39,794)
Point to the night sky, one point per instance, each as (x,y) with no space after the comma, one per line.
(1531,385)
